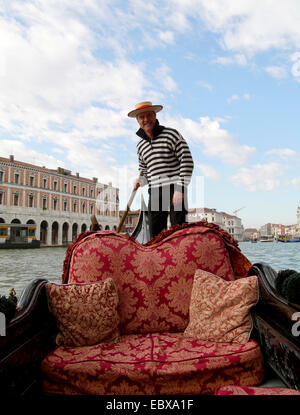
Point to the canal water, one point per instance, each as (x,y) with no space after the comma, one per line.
(19,266)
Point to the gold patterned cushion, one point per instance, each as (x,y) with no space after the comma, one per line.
(220,310)
(86,313)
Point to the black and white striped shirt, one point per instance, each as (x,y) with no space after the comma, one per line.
(166,158)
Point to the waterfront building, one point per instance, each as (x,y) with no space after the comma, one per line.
(230,223)
(275,229)
(56,203)
(130,222)
(251,234)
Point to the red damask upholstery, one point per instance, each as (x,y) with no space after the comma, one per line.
(154,283)
(155,280)
(152,364)
(248,390)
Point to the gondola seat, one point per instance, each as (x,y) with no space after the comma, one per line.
(155,353)
(248,390)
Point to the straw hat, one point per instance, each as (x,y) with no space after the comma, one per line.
(143,107)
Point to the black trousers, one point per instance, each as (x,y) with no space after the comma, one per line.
(160,205)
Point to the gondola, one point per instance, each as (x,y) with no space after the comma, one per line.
(30,334)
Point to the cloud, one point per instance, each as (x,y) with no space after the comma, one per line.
(23,153)
(253,26)
(205,85)
(278,72)
(208,171)
(167,36)
(235,97)
(294,182)
(258,177)
(238,59)
(163,77)
(215,141)
(282,152)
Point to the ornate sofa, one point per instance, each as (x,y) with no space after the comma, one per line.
(153,350)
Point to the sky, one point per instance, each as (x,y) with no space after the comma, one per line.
(227,73)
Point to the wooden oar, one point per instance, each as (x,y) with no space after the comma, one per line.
(95,225)
(127,208)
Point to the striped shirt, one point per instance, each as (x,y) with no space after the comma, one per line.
(166,158)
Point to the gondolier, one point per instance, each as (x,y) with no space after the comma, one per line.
(165,164)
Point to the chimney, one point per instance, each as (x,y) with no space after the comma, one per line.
(77,174)
(11,158)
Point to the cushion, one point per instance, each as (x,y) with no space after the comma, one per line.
(248,390)
(151,364)
(220,310)
(86,313)
(154,281)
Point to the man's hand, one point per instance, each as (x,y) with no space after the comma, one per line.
(177,198)
(136,184)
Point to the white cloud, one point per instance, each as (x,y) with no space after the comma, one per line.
(22,152)
(236,97)
(258,177)
(162,74)
(167,36)
(233,97)
(214,140)
(238,59)
(282,152)
(278,72)
(208,171)
(295,70)
(294,182)
(253,25)
(205,85)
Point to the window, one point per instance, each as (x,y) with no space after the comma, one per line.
(31,181)
(3,231)
(55,203)
(65,205)
(31,231)
(92,192)
(16,199)
(44,183)
(92,208)
(1,176)
(30,200)
(83,207)
(66,187)
(44,203)
(55,185)
(74,206)
(83,191)
(1,197)
(17,176)
(74,189)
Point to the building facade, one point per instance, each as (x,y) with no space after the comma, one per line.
(130,222)
(58,204)
(231,224)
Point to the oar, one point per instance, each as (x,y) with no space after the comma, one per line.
(127,208)
(95,225)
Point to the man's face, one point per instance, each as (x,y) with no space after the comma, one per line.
(147,121)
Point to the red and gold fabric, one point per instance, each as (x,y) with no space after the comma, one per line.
(151,364)
(154,281)
(248,390)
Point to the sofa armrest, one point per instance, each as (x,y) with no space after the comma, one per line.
(29,336)
(274,321)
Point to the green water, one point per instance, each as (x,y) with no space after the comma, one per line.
(19,266)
